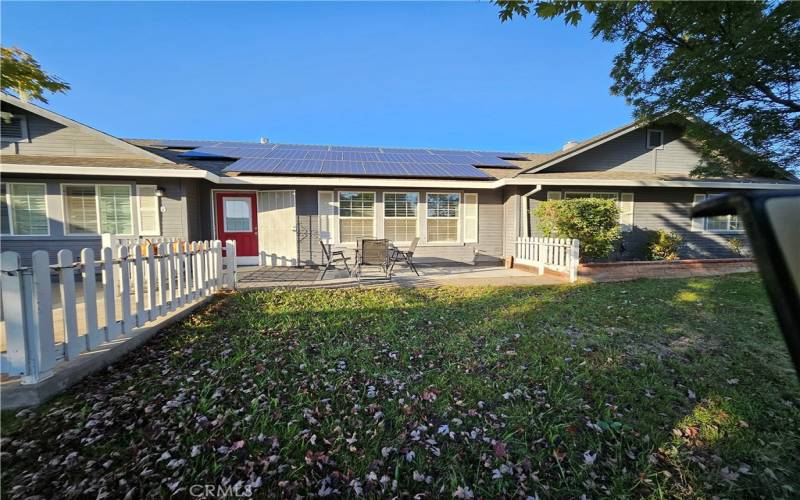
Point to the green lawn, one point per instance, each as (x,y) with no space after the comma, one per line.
(677,387)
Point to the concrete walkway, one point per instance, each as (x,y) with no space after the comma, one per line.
(430,276)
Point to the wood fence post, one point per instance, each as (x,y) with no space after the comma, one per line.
(109,295)
(230,247)
(66,282)
(575,255)
(151,284)
(16,308)
(170,257)
(180,268)
(41,346)
(125,290)
(218,264)
(138,272)
(94,337)
(162,277)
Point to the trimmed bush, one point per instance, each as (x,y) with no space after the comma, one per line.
(595,222)
(665,245)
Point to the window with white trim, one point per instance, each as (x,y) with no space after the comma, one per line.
(571,195)
(24,209)
(13,128)
(400,216)
(655,139)
(80,209)
(443,217)
(115,209)
(356,216)
(717,223)
(149,210)
(238,214)
(624,201)
(92,209)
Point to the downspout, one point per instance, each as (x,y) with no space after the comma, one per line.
(526,227)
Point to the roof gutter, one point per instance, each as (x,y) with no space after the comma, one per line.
(526,213)
(242,180)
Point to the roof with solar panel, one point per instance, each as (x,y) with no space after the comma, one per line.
(349,161)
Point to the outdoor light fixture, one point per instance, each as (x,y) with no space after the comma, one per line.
(159,191)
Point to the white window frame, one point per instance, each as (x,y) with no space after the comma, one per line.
(660,133)
(11,211)
(97,207)
(626,228)
(23,126)
(249,214)
(590,193)
(139,206)
(704,224)
(353,244)
(384,218)
(333,222)
(459,219)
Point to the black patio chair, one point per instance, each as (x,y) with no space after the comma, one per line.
(332,257)
(406,255)
(374,253)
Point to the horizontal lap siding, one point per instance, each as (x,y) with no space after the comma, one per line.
(511,213)
(629,153)
(490,230)
(173,218)
(48,138)
(655,209)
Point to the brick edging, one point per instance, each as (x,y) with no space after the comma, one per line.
(666,263)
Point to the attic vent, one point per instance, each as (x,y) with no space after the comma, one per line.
(569,145)
(13,128)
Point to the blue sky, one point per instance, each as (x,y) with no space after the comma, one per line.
(445,75)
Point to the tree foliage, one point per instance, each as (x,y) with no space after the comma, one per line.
(734,65)
(22,75)
(594,221)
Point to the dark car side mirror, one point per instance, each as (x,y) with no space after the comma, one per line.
(772,222)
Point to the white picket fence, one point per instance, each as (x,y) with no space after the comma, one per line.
(557,254)
(140,283)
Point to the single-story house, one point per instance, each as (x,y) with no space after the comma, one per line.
(65,183)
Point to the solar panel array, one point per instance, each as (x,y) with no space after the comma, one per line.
(345,160)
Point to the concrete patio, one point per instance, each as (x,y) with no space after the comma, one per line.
(250,277)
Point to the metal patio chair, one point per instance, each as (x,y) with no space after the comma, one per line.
(374,253)
(406,255)
(332,257)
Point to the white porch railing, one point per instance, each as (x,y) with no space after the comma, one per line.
(140,284)
(557,254)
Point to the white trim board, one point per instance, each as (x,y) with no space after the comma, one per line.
(327,183)
(63,120)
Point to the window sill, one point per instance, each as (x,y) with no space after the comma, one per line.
(23,236)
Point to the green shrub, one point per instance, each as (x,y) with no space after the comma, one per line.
(593,221)
(737,246)
(665,245)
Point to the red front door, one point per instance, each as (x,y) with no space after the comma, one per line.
(237,221)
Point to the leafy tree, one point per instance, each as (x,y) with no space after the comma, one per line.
(734,65)
(593,221)
(22,75)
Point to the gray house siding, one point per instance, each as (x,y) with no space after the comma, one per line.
(489,247)
(655,209)
(629,153)
(49,138)
(173,218)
